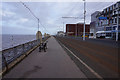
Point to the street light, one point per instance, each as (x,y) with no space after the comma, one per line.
(63,26)
(38,24)
(76,31)
(84,20)
(38,30)
(117,24)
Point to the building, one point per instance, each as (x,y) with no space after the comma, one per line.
(77,29)
(108,19)
(93,26)
(60,33)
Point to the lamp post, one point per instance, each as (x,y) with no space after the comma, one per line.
(84,20)
(117,24)
(38,24)
(63,26)
(38,29)
(76,30)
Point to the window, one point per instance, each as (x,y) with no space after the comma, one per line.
(101,23)
(111,8)
(111,21)
(114,27)
(119,20)
(98,23)
(114,6)
(115,20)
(114,12)
(119,4)
(119,28)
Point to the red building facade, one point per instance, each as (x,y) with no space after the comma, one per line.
(77,29)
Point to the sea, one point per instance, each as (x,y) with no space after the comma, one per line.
(9,40)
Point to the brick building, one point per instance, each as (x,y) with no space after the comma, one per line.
(77,29)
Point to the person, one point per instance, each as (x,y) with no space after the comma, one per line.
(43,46)
(40,48)
(46,44)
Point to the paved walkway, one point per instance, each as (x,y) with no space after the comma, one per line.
(55,63)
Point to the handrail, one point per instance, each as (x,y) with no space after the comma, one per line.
(11,54)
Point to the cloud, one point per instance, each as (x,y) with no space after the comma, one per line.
(7,13)
(16,16)
(59,0)
(50,22)
(23,20)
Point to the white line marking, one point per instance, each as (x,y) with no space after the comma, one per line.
(96,74)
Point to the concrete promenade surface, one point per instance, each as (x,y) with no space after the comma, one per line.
(55,63)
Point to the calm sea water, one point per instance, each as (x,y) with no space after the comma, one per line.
(14,40)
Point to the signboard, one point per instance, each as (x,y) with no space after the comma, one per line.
(102,18)
(115,30)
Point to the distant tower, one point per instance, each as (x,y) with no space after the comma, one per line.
(39,36)
(45,35)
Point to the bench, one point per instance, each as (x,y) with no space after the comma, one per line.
(43,46)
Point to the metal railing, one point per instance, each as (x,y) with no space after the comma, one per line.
(11,54)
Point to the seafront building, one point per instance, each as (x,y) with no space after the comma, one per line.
(93,26)
(107,20)
(77,29)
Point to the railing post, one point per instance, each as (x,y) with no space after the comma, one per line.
(23,47)
(14,52)
(4,59)
(30,45)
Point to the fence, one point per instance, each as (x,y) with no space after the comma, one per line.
(10,55)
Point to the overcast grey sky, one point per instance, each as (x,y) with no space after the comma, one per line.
(16,19)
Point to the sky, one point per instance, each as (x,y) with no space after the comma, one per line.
(16,19)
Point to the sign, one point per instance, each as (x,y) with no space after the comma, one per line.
(115,30)
(102,18)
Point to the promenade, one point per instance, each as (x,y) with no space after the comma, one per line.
(55,63)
